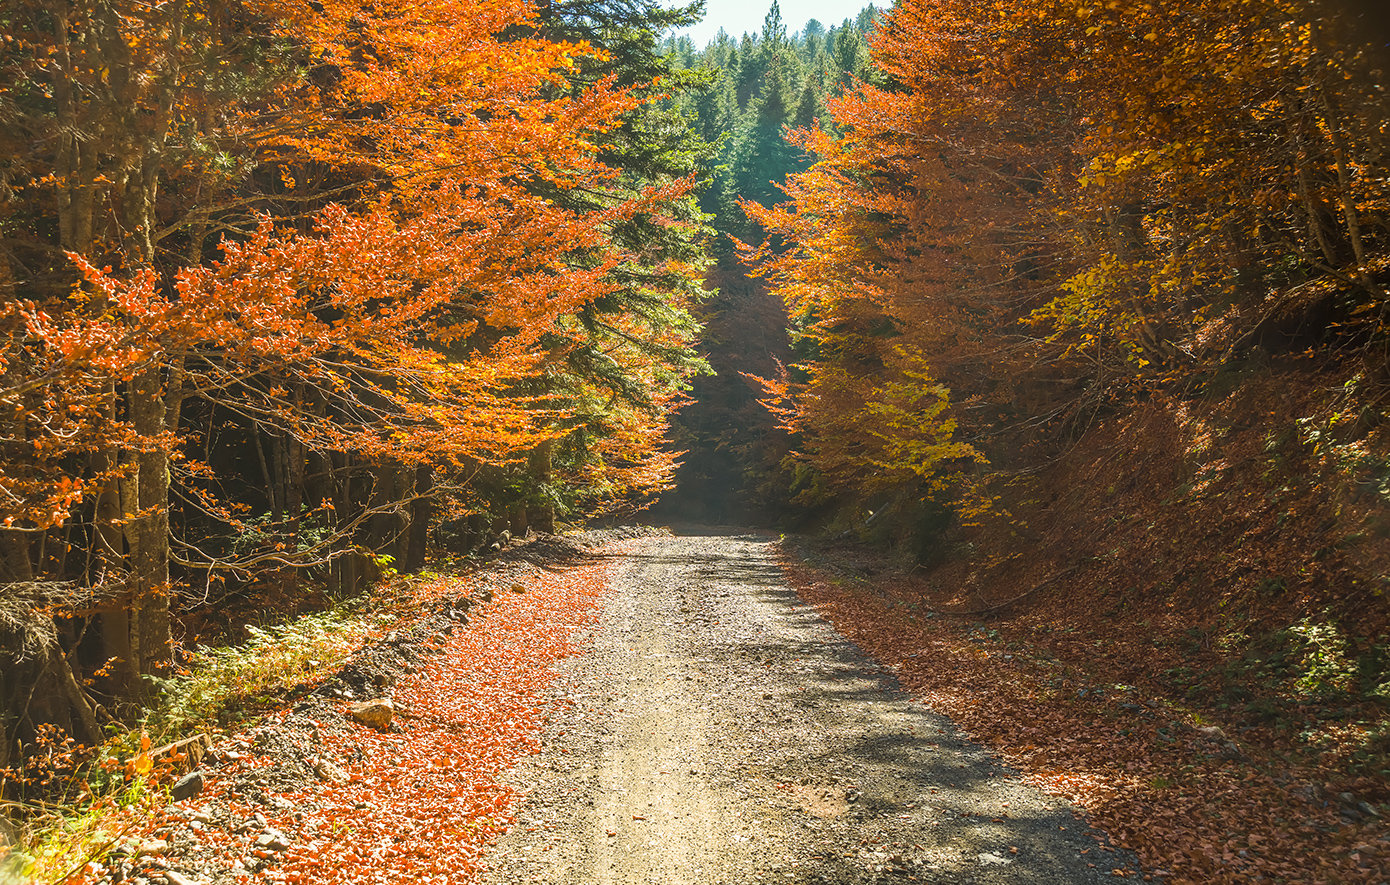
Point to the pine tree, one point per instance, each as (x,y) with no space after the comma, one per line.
(849,56)
(762,154)
(809,108)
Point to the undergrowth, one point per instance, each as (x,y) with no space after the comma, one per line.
(220,686)
(49,843)
(69,805)
(1330,693)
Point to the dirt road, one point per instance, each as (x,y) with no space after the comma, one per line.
(719,731)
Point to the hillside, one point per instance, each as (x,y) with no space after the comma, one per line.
(1180,622)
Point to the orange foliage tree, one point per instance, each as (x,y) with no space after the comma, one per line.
(356,256)
(1049,205)
(906,249)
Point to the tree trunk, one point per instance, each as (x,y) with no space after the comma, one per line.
(386,528)
(108,142)
(1348,197)
(272,499)
(421,511)
(16,566)
(344,574)
(147,528)
(108,539)
(1317,214)
(295,456)
(85,726)
(543,514)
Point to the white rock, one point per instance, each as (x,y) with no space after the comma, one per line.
(330,772)
(152,847)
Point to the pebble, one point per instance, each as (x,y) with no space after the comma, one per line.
(330,772)
(188,786)
(273,840)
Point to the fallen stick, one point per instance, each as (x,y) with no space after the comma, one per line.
(994,608)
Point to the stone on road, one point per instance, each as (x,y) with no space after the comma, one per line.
(718,730)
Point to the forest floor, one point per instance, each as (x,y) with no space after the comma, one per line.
(1180,621)
(1085,715)
(723,708)
(664,709)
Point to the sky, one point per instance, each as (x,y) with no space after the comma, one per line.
(737,16)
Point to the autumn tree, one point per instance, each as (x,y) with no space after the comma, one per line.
(389,255)
(1226,194)
(1050,246)
(907,251)
(104,102)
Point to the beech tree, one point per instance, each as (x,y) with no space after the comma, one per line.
(366,248)
(1048,238)
(102,102)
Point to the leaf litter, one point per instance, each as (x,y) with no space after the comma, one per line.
(1196,805)
(309,795)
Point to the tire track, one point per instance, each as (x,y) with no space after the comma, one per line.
(717,730)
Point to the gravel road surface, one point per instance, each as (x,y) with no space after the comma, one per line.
(718,731)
